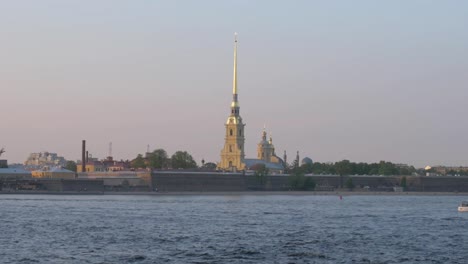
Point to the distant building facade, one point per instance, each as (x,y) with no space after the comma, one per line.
(54,173)
(109,164)
(266,155)
(41,159)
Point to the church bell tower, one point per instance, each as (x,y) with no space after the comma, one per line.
(232,155)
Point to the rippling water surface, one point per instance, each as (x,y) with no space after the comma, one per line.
(232,229)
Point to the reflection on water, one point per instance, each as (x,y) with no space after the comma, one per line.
(232,229)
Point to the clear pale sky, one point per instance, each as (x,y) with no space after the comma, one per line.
(358,80)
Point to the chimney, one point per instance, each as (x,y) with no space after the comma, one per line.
(83,157)
(87,157)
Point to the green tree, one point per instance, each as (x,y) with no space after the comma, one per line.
(350,184)
(342,168)
(298,181)
(307,167)
(70,165)
(183,160)
(210,166)
(158,159)
(387,168)
(139,162)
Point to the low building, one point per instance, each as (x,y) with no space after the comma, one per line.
(91,166)
(109,164)
(121,180)
(266,155)
(54,173)
(14,173)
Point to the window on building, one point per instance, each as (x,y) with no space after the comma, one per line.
(230,132)
(230,148)
(240,132)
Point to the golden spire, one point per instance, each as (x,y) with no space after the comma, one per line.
(234,80)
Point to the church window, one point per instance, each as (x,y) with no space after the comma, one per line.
(240,132)
(230,132)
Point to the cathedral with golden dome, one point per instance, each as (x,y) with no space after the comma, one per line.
(233,154)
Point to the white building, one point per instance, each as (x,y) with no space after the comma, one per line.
(42,159)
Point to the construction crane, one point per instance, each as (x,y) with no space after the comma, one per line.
(2,151)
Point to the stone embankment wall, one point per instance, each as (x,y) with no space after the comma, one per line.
(180,181)
(175,181)
(75,185)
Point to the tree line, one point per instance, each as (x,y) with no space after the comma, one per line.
(158,159)
(346,167)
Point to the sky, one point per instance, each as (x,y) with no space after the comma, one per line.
(358,80)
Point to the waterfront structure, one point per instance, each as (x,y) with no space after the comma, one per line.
(14,173)
(232,155)
(53,173)
(119,180)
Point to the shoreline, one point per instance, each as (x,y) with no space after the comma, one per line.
(244,193)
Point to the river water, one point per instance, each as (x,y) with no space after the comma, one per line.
(232,229)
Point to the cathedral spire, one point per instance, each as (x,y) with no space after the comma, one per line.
(235,103)
(234,79)
(232,155)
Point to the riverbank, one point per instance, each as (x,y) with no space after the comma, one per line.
(242,193)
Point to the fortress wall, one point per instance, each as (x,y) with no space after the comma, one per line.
(75,185)
(179,181)
(437,184)
(198,182)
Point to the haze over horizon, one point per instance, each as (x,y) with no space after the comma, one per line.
(362,80)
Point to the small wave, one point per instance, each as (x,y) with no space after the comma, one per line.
(134,258)
(28,260)
(308,254)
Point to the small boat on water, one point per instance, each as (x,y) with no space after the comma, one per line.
(463,207)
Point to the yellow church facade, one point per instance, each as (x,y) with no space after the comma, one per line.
(233,154)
